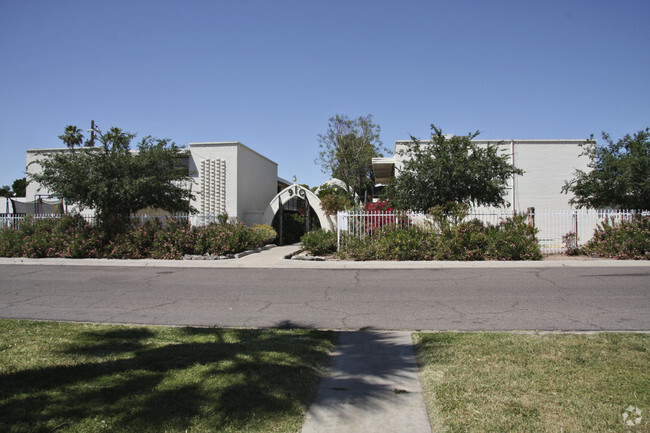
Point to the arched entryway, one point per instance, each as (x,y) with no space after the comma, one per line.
(290,195)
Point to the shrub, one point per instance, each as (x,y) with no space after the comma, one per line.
(513,239)
(376,217)
(67,236)
(570,241)
(172,243)
(135,243)
(264,234)
(72,236)
(465,241)
(319,242)
(629,239)
(225,238)
(395,243)
(333,198)
(358,249)
(78,239)
(9,241)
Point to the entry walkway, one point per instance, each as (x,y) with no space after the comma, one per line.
(265,258)
(372,386)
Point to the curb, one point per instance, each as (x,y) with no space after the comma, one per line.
(286,262)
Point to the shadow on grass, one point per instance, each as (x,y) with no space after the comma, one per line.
(150,380)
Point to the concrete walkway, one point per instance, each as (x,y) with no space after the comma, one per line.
(267,257)
(372,386)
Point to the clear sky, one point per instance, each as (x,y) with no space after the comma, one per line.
(271,73)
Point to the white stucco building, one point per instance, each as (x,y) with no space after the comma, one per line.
(547,164)
(232,178)
(227,177)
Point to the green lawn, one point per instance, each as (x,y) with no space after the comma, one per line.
(502,382)
(68,377)
(64,377)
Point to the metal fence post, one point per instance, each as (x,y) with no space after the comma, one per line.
(531,216)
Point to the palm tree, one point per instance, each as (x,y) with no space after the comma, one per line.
(72,136)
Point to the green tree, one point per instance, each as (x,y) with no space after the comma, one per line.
(19,187)
(619,175)
(347,149)
(450,169)
(115,181)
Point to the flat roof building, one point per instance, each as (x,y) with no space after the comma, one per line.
(547,164)
(227,177)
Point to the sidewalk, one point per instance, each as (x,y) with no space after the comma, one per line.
(372,386)
(276,257)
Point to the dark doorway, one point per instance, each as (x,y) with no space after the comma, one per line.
(297,219)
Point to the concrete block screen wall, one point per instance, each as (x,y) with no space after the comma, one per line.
(231,178)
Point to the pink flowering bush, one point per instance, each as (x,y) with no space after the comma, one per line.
(377,216)
(333,199)
(221,239)
(68,236)
(513,239)
(73,237)
(465,241)
(175,241)
(135,243)
(629,239)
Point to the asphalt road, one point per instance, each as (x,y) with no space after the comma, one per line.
(589,298)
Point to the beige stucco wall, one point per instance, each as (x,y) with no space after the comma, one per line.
(547,164)
(32,167)
(257,184)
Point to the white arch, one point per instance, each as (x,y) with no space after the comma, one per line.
(295,190)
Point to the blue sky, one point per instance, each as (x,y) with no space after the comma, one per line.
(271,73)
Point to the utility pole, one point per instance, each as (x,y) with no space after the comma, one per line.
(92,134)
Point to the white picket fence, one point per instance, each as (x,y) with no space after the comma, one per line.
(552,225)
(13,221)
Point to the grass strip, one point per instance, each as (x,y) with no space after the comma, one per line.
(68,377)
(503,382)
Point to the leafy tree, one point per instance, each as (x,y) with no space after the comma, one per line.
(19,187)
(619,175)
(450,169)
(347,149)
(115,181)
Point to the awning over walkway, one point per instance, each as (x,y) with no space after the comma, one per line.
(384,169)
